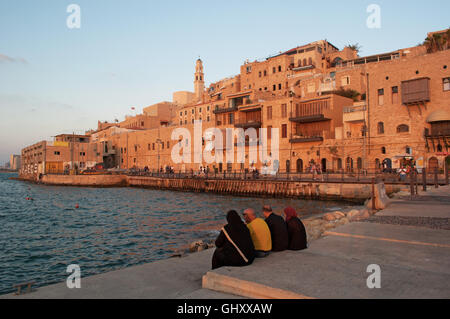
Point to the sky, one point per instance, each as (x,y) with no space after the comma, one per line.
(135,53)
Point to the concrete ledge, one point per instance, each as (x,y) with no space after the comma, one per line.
(239,287)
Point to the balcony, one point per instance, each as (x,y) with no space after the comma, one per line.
(416,91)
(355,113)
(311,111)
(305,138)
(220,110)
(251,120)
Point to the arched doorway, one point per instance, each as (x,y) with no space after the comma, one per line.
(288,166)
(377,164)
(299,165)
(387,164)
(349,164)
(339,164)
(433,164)
(359,163)
(323,164)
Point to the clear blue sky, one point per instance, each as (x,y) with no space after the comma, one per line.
(137,52)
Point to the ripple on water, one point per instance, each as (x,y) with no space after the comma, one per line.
(114,228)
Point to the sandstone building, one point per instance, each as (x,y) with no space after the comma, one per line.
(331,106)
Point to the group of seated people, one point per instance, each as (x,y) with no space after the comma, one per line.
(239,243)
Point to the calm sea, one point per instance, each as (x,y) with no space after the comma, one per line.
(113,228)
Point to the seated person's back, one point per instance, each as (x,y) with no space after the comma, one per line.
(259,231)
(296,230)
(278,230)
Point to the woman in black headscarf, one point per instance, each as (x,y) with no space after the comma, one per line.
(234,244)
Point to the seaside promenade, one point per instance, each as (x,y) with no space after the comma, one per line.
(409,241)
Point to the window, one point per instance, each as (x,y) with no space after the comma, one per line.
(274,87)
(153,146)
(231,118)
(249,69)
(310,61)
(383,150)
(279,86)
(193,111)
(446,83)
(57,153)
(259,73)
(274,70)
(269,112)
(162,145)
(284,131)
(408,150)
(394,94)
(380,97)
(269,132)
(304,62)
(402,128)
(279,68)
(148,147)
(265,72)
(345,80)
(380,128)
(168,144)
(284,110)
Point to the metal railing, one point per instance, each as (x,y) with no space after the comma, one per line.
(342,176)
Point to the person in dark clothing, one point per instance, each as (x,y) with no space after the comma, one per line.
(296,230)
(278,229)
(234,244)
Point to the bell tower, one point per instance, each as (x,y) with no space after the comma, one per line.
(199,82)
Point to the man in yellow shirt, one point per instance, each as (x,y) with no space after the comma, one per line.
(260,233)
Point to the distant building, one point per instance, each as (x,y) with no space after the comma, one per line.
(14,162)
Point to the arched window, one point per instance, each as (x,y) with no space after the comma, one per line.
(310,61)
(377,163)
(349,164)
(304,62)
(408,150)
(288,166)
(299,165)
(403,128)
(339,163)
(380,128)
(359,163)
(337,61)
(439,148)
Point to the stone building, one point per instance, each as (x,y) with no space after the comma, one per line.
(330,106)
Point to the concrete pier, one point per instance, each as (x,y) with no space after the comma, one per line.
(356,192)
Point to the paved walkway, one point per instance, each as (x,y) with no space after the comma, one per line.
(410,241)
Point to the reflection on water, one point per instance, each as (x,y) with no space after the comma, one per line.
(113,227)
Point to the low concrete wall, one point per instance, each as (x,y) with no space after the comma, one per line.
(286,189)
(86,180)
(328,191)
